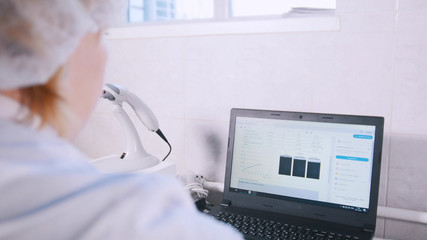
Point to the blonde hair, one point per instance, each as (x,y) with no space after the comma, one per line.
(43,101)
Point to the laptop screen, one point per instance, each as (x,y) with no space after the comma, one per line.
(322,163)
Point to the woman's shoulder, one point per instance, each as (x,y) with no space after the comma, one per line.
(23,146)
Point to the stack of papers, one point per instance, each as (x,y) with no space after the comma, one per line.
(306,12)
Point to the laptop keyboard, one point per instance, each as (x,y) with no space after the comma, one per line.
(259,228)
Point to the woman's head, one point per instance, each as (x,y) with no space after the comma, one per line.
(53,57)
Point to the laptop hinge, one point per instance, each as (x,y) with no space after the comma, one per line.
(368,228)
(225,203)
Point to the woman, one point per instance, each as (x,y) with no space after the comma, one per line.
(52,61)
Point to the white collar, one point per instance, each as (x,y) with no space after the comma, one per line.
(13,111)
(9,108)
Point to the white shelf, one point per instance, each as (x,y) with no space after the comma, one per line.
(229,27)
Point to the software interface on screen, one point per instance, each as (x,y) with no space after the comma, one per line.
(329,163)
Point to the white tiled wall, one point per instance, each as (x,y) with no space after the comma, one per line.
(375,65)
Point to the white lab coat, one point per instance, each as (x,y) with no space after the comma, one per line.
(49,191)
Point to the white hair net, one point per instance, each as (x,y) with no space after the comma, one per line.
(38,36)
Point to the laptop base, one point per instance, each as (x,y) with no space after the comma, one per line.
(259,225)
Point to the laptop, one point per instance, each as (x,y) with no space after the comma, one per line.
(297,175)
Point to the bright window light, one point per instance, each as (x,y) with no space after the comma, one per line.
(240,8)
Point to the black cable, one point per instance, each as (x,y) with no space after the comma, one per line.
(159,132)
(170,150)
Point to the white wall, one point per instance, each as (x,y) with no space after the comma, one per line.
(376,64)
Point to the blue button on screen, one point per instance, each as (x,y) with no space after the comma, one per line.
(352,158)
(362,136)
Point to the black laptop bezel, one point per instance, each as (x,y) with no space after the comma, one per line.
(298,209)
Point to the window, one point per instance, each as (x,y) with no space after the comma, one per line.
(225,17)
(161,14)
(170,10)
(167,10)
(161,4)
(240,8)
